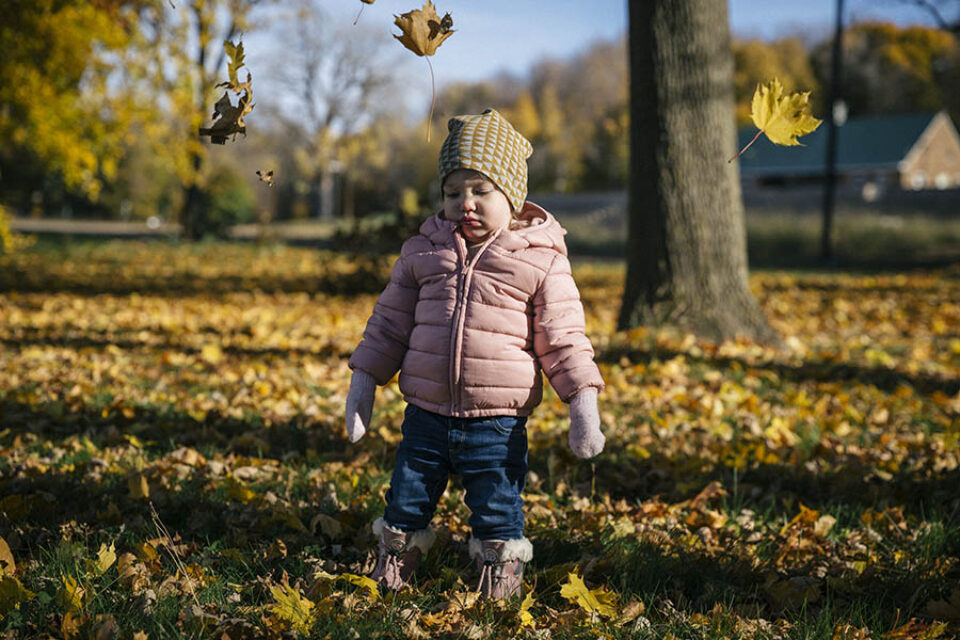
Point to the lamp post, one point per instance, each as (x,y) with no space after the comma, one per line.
(834,116)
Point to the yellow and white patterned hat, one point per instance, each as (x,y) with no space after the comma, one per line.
(489,144)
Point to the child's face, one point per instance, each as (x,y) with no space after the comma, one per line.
(475,204)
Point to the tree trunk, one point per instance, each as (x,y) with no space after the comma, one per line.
(687,256)
(192,222)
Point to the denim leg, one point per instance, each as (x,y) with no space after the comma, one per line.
(420,472)
(492,462)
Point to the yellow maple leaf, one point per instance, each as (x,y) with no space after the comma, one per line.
(70,596)
(373,591)
(237,491)
(106,556)
(7,564)
(601,600)
(526,618)
(138,485)
(292,608)
(423,30)
(12,593)
(783,118)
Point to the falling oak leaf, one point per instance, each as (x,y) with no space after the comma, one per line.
(418,34)
(422,31)
(782,117)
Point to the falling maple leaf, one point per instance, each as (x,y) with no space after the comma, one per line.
(422,31)
(782,117)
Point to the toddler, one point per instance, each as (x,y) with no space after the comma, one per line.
(478,304)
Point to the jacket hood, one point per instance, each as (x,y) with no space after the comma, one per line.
(533,227)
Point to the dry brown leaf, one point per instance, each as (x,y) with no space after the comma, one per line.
(423,30)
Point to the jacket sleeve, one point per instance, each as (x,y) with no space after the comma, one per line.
(559,333)
(386,336)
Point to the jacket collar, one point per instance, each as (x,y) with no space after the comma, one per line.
(534,227)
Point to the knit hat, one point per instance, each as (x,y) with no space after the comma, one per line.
(489,144)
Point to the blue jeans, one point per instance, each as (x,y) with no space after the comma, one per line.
(489,454)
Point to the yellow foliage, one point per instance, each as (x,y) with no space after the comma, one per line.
(601,601)
(106,556)
(781,117)
(7,565)
(12,593)
(526,618)
(292,608)
(70,595)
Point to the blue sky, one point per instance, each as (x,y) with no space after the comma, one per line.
(512,35)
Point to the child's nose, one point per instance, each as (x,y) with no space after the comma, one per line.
(469,204)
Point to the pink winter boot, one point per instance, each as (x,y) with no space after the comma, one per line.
(398,554)
(500,563)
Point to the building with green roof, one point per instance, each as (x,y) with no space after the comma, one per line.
(913,151)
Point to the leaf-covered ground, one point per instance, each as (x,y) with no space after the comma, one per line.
(173,461)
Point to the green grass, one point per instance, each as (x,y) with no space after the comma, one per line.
(625,522)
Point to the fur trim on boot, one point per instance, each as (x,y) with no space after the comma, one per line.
(521,549)
(500,563)
(422,539)
(398,554)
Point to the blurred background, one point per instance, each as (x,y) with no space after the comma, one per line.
(101,102)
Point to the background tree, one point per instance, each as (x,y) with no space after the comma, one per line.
(340,80)
(758,61)
(686,252)
(888,69)
(201,27)
(62,126)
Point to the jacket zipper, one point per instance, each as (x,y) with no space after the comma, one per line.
(460,316)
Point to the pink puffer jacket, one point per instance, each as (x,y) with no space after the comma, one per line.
(470,333)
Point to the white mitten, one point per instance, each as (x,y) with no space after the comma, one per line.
(585,437)
(360,404)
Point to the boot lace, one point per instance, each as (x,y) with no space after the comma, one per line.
(393,562)
(490,574)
